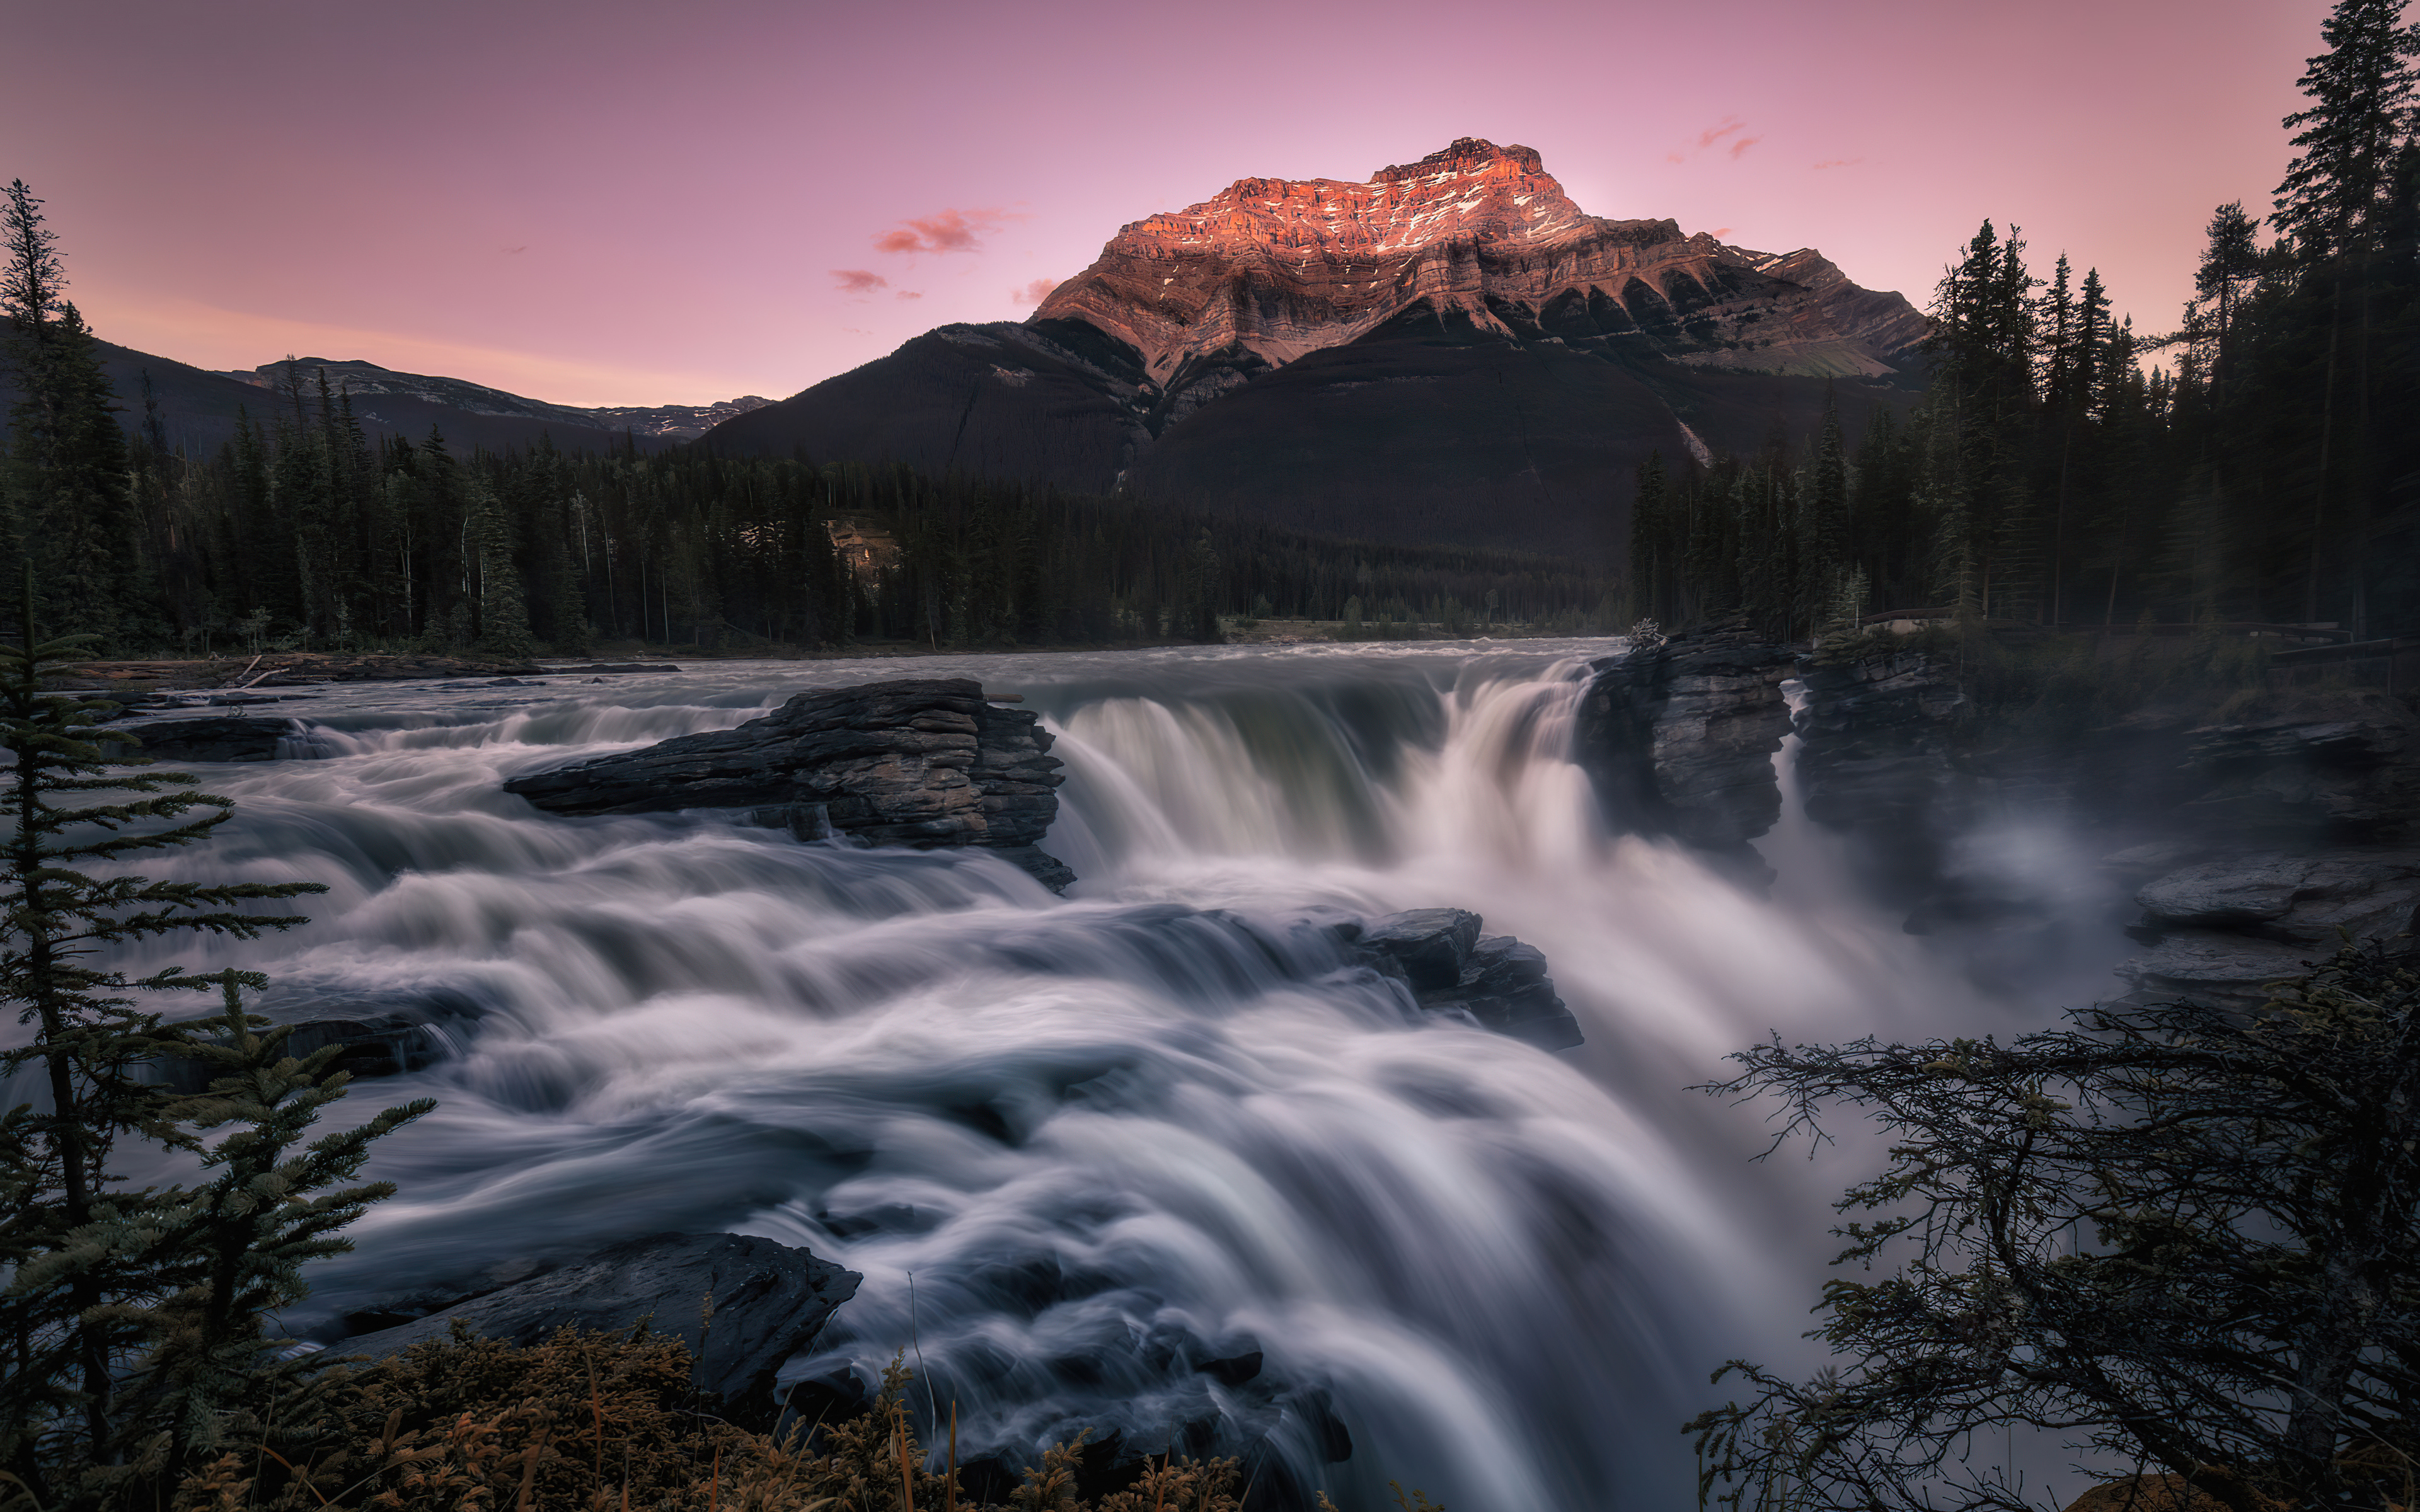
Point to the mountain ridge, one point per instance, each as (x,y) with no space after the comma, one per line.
(1449,352)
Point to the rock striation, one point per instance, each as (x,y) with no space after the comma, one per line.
(769,1301)
(1679,738)
(1269,270)
(925,763)
(2221,928)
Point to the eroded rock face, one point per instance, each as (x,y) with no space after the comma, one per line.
(1680,739)
(2351,773)
(218,738)
(1874,765)
(1449,966)
(769,1302)
(2221,928)
(920,762)
(1269,270)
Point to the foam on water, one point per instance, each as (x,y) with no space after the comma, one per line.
(1080,1147)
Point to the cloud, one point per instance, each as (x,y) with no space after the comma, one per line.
(1837,162)
(1033,293)
(1719,232)
(910,294)
(1712,134)
(1671,157)
(1743,144)
(858,280)
(943,231)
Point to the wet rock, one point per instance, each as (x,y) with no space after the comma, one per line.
(618,668)
(2349,771)
(220,738)
(1874,767)
(2222,970)
(924,763)
(1430,943)
(1449,966)
(1679,739)
(2368,893)
(380,1034)
(769,1301)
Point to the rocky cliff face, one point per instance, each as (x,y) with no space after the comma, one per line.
(1680,738)
(1450,351)
(1271,269)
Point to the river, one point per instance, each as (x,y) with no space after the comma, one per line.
(1079,1147)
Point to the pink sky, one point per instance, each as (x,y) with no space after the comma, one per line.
(613,202)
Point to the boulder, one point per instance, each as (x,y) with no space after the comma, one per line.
(769,1301)
(1430,943)
(919,761)
(378,1033)
(1679,738)
(220,738)
(1449,966)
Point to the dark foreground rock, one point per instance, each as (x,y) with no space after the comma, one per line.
(920,761)
(229,737)
(1679,738)
(1452,967)
(375,1033)
(769,1302)
(2219,930)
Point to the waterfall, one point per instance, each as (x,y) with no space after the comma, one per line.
(1092,1154)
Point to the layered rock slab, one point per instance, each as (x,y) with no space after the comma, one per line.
(925,763)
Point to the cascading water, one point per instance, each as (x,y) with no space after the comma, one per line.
(1081,1148)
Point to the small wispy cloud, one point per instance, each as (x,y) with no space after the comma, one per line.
(1743,145)
(859,281)
(1033,293)
(1715,132)
(1837,163)
(910,294)
(1672,157)
(943,231)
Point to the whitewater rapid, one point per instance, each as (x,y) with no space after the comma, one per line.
(1078,1147)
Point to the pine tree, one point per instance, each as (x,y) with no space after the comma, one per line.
(66,479)
(78,1244)
(236,1247)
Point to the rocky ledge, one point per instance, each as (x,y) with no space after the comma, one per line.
(769,1301)
(1679,738)
(1452,967)
(2222,927)
(925,763)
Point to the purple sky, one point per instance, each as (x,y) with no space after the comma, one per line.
(611,203)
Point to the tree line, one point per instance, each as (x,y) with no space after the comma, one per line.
(2267,470)
(303,531)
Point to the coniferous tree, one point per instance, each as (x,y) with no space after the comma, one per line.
(78,1244)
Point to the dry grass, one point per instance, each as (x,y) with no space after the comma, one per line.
(610,1422)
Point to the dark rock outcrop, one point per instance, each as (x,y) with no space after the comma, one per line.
(2219,929)
(1449,966)
(1679,738)
(922,762)
(219,738)
(378,1034)
(769,1301)
(1875,765)
(2348,772)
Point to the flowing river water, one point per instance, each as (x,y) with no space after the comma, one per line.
(1080,1147)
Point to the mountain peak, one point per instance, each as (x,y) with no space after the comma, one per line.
(1479,237)
(1468,154)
